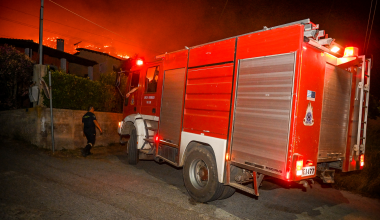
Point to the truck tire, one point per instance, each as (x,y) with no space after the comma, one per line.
(133,153)
(200,175)
(228,191)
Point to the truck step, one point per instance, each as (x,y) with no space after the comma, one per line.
(151,129)
(146,151)
(243,188)
(146,154)
(149,140)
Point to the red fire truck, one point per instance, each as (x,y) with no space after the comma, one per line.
(286,102)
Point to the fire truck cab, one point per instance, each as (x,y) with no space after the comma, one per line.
(285,102)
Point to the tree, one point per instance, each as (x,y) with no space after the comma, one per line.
(16,71)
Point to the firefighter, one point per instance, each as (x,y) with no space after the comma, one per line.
(89,122)
(130,92)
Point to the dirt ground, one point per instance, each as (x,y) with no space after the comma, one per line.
(36,184)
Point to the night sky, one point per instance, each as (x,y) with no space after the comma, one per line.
(152,27)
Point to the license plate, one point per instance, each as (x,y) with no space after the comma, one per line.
(308,171)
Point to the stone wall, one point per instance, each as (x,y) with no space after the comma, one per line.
(33,125)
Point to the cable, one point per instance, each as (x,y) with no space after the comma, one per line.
(373,18)
(223,11)
(31,26)
(84,18)
(369,18)
(54,32)
(97,24)
(79,30)
(57,22)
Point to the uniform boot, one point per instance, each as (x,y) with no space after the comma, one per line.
(86,150)
(83,150)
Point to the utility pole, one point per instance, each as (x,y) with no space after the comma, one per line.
(40,62)
(41,29)
(51,113)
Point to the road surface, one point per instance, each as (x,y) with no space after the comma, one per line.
(34,184)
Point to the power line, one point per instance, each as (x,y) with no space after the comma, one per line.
(366,32)
(369,36)
(54,32)
(223,11)
(97,24)
(77,29)
(56,22)
(85,18)
(31,26)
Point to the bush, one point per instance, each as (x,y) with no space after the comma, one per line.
(16,71)
(366,181)
(374,107)
(77,93)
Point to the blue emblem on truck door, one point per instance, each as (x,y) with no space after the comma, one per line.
(309,120)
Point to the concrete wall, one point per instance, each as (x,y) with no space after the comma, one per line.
(33,125)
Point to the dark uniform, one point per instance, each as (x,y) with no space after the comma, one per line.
(89,131)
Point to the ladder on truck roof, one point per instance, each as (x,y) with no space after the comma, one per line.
(363,88)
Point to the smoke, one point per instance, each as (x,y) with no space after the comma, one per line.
(151,27)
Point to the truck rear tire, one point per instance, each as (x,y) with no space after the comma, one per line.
(200,175)
(228,191)
(133,152)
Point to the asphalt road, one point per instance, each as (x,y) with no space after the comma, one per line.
(37,185)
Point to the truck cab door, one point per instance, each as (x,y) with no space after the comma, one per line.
(132,103)
(151,94)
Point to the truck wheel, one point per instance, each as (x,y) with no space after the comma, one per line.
(228,191)
(200,175)
(133,153)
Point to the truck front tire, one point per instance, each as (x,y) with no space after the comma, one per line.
(133,152)
(200,175)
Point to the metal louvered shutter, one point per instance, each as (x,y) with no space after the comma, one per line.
(335,114)
(262,110)
(171,105)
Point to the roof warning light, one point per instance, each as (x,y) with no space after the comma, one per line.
(351,52)
(139,62)
(335,49)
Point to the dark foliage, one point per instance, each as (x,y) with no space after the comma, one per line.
(373,107)
(366,181)
(16,71)
(77,93)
